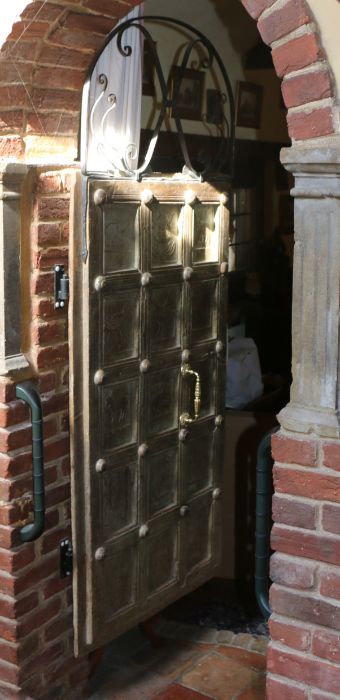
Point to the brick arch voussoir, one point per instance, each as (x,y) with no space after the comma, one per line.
(48,53)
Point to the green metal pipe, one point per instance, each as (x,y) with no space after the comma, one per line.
(262,527)
(29,393)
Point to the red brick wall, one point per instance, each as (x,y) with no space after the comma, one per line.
(304,655)
(53,50)
(36,640)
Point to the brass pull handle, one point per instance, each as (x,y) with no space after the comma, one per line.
(186,419)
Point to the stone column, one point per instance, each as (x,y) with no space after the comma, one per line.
(315,393)
(11,179)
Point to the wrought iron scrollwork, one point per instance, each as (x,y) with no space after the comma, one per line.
(221,159)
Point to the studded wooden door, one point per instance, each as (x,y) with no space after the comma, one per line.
(149,323)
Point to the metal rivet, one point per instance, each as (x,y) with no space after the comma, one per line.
(216,494)
(146,196)
(183,434)
(183,511)
(219,421)
(99,376)
(187,273)
(100,466)
(99,283)
(189,197)
(99,553)
(143,531)
(223,198)
(144,366)
(224,268)
(146,279)
(99,197)
(143,449)
(186,356)
(219,347)
(57,268)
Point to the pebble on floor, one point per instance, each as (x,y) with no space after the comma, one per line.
(191,664)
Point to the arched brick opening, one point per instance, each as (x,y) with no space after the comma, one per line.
(46,57)
(52,48)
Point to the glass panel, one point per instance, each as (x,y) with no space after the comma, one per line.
(165,307)
(162,481)
(161,558)
(117,499)
(120,239)
(204,311)
(197,530)
(163,397)
(117,589)
(119,408)
(206,234)
(166,235)
(120,326)
(198,458)
(207,372)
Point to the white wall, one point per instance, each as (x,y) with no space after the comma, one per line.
(233,32)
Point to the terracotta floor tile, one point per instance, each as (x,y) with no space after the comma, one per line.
(220,677)
(178,692)
(131,683)
(172,660)
(255,692)
(246,658)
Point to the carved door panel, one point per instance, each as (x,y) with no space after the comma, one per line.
(149,307)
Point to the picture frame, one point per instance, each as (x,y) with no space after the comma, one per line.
(148,75)
(190,97)
(215,102)
(249,104)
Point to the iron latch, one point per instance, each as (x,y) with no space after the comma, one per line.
(61,287)
(66,558)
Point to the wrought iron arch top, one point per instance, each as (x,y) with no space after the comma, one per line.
(222,159)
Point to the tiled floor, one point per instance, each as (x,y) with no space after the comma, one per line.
(191,664)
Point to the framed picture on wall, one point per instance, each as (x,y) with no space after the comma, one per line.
(190,96)
(249,104)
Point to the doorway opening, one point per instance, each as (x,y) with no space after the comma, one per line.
(259,307)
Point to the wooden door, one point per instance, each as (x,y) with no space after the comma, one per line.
(148,320)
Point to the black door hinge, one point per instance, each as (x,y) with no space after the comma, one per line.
(61,287)
(66,558)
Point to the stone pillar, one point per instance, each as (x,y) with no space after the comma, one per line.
(11,179)
(315,394)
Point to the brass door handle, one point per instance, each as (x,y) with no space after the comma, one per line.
(185,418)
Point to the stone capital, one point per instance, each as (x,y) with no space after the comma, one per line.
(315,397)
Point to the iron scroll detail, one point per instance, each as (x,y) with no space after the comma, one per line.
(198,45)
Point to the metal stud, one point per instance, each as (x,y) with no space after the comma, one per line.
(224,268)
(186,356)
(100,466)
(216,494)
(187,273)
(99,283)
(99,553)
(144,366)
(219,347)
(189,197)
(183,511)
(99,376)
(223,198)
(99,197)
(219,420)
(147,196)
(143,531)
(146,279)
(143,449)
(183,434)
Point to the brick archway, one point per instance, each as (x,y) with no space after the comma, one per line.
(47,54)
(50,48)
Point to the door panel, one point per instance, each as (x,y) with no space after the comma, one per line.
(150,299)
